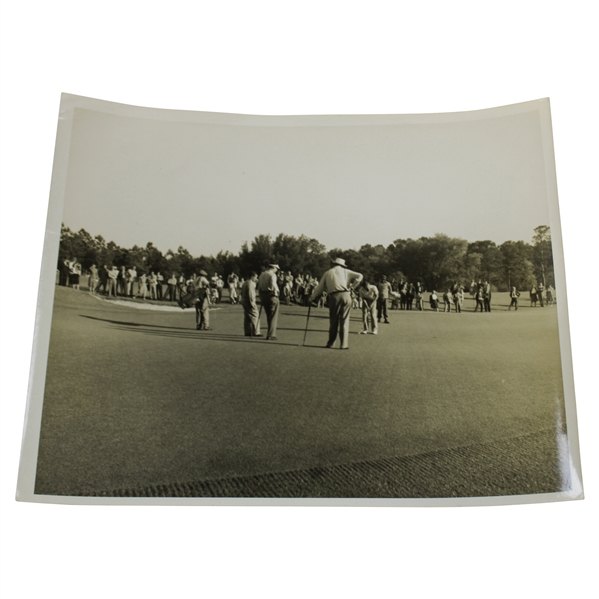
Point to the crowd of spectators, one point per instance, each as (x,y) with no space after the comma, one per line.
(395,294)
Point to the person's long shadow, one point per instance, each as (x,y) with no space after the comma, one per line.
(185,333)
(133,324)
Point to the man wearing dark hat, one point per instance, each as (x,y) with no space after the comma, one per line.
(269,298)
(337,282)
(202,287)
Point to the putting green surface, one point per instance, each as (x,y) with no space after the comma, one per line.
(138,402)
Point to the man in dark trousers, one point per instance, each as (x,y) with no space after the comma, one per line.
(251,324)
(269,298)
(338,282)
(384,291)
(541,294)
(487,296)
(202,302)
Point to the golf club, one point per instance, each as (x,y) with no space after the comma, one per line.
(307,321)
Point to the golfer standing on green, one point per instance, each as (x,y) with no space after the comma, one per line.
(269,298)
(338,282)
(202,302)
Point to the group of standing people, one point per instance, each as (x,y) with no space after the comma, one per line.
(540,295)
(265,286)
(114,281)
(406,295)
(339,289)
(337,284)
(120,282)
(453,296)
(69,273)
(483,297)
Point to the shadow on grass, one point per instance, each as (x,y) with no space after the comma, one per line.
(187,333)
(132,324)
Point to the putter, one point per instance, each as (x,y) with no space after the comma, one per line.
(259,315)
(307,321)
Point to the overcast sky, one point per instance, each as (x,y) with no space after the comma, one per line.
(210,187)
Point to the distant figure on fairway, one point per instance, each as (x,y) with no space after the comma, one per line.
(159,280)
(74,273)
(93,278)
(458,296)
(369,294)
(541,294)
(514,295)
(202,288)
(63,269)
(121,282)
(447,301)
(419,296)
(103,276)
(434,301)
(251,323)
(533,297)
(153,284)
(480,299)
(338,282)
(487,296)
(220,285)
(113,275)
(171,290)
(232,284)
(269,298)
(384,292)
(131,278)
(143,286)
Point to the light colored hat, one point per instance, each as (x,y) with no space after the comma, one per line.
(203,273)
(274,266)
(339,261)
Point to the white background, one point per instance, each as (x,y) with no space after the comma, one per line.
(295,58)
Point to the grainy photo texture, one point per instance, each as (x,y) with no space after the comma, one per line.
(317,309)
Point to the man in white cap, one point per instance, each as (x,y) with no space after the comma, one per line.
(269,298)
(338,282)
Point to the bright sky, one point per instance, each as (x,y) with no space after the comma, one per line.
(211,187)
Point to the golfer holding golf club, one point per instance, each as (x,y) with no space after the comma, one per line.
(337,282)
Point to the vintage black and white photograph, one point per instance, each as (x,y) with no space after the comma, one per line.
(302,308)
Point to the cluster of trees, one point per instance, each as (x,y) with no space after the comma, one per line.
(435,261)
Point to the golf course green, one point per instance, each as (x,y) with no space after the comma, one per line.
(137,402)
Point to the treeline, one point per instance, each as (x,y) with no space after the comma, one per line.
(436,261)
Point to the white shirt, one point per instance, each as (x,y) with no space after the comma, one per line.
(267,282)
(370,294)
(337,279)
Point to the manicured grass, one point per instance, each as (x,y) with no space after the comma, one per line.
(137,398)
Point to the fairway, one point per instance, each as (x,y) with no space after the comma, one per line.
(137,402)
